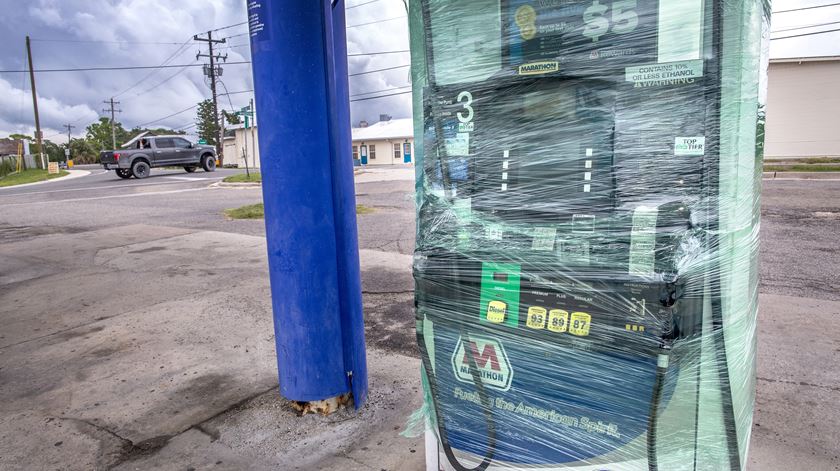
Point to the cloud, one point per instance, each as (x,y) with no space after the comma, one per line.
(128,28)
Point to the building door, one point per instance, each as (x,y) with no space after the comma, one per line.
(364,155)
(407,152)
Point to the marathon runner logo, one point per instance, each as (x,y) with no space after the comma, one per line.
(491,362)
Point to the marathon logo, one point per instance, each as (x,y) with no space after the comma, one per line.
(490,359)
(536,68)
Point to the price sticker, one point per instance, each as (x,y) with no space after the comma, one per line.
(536,318)
(580,323)
(496,311)
(558,320)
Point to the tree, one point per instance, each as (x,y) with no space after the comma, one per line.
(231,117)
(53,151)
(21,136)
(155,132)
(99,134)
(83,152)
(208,128)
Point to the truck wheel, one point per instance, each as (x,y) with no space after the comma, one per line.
(208,163)
(189,169)
(124,173)
(140,169)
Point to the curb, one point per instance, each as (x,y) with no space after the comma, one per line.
(825,176)
(73,174)
(236,185)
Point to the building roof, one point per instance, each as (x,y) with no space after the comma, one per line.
(782,60)
(393,129)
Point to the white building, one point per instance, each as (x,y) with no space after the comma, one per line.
(241,143)
(803,99)
(388,142)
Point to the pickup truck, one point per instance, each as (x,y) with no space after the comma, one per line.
(158,151)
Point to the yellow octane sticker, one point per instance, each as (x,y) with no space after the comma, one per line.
(580,323)
(535,68)
(496,311)
(558,320)
(536,317)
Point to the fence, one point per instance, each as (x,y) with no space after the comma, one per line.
(8,164)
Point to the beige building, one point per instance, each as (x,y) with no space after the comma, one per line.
(803,108)
(241,143)
(388,142)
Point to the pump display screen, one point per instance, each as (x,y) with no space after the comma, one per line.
(560,33)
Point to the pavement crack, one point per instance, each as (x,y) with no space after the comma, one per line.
(800,383)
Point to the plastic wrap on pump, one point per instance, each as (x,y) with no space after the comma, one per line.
(587,230)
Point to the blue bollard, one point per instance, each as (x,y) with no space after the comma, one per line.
(300,78)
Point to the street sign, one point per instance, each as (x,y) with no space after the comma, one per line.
(202,141)
(67,152)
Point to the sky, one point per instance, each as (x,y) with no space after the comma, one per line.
(103,33)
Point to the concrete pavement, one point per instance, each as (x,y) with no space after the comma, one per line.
(135,332)
(151,347)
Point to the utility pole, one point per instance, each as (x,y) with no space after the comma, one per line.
(112,110)
(38,134)
(69,128)
(211,72)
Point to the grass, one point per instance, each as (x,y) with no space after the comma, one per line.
(243,178)
(257,211)
(251,211)
(29,176)
(802,168)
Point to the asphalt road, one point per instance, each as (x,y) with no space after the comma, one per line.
(178,199)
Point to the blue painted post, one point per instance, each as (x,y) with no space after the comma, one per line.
(300,78)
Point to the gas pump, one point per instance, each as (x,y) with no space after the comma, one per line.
(569,262)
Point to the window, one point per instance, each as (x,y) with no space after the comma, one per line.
(372,152)
(181,143)
(355,152)
(397,151)
(164,143)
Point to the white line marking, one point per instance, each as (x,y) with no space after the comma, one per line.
(188,179)
(125,185)
(133,195)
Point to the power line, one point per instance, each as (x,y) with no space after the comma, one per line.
(168,116)
(806,34)
(375,22)
(807,8)
(379,70)
(380,96)
(165,62)
(806,27)
(236,93)
(237,35)
(380,91)
(161,83)
(229,26)
(360,5)
(377,53)
(91,41)
(91,69)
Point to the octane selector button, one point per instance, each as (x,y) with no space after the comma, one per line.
(496,311)
(579,324)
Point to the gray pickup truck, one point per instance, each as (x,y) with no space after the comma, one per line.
(141,154)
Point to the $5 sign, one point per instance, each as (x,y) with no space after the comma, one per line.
(596,24)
